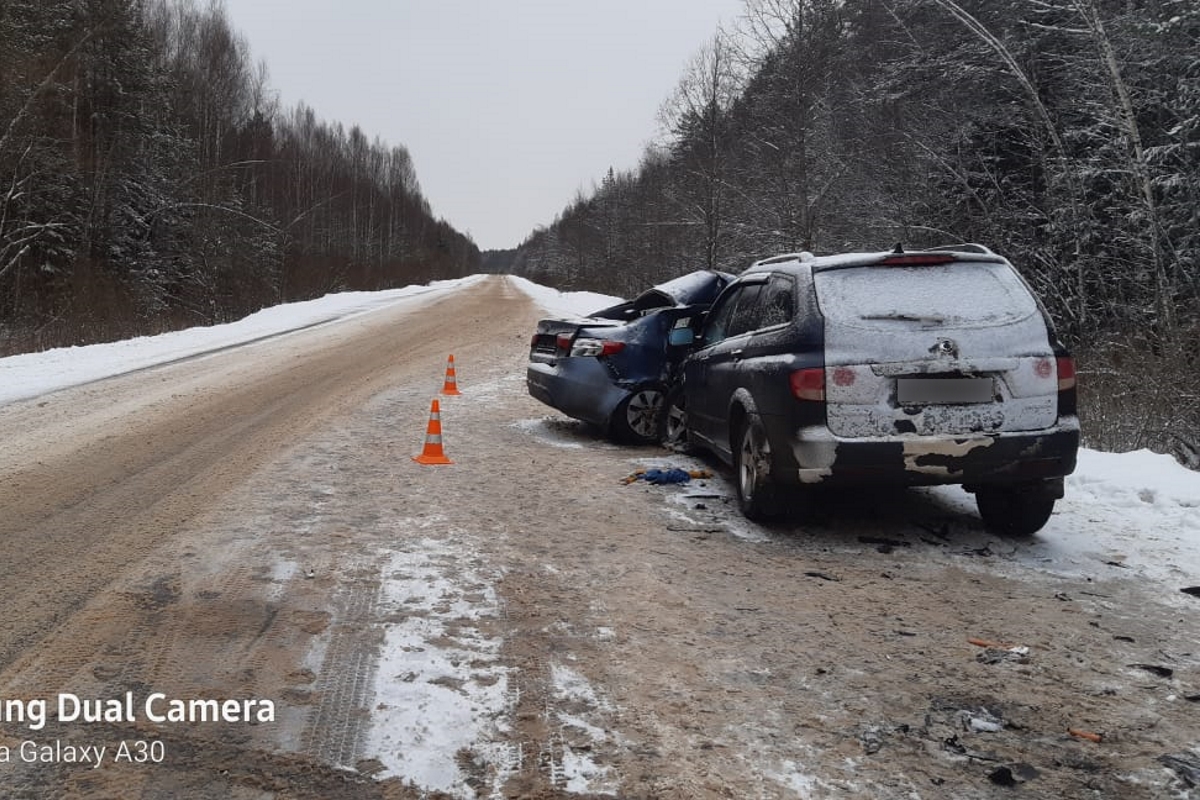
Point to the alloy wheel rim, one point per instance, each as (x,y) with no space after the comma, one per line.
(750,467)
(642,415)
(676,422)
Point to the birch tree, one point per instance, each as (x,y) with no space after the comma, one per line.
(696,119)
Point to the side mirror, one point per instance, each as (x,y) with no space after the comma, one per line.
(680,337)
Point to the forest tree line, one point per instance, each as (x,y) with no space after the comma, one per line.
(1064,134)
(149,181)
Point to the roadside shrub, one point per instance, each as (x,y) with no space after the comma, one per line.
(1135,393)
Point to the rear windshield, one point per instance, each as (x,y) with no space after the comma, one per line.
(960,295)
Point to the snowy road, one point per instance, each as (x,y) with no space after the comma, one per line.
(249,525)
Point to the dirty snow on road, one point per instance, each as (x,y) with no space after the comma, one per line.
(440,688)
(462,703)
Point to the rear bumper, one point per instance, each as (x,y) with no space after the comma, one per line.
(581,388)
(817,456)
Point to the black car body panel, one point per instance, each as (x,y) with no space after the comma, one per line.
(633,360)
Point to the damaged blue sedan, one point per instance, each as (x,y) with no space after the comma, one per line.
(613,368)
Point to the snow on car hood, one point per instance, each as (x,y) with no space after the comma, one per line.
(698,288)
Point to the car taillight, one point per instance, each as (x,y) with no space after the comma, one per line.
(612,347)
(1067,400)
(808,384)
(563,342)
(1066,373)
(596,347)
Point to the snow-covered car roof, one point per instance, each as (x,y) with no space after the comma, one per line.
(898,257)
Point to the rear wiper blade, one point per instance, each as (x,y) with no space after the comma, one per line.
(907,318)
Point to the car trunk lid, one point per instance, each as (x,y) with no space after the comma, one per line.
(939,349)
(554,336)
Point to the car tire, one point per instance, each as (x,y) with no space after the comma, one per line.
(638,417)
(758,495)
(1009,511)
(673,432)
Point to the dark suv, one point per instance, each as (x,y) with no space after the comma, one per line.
(909,368)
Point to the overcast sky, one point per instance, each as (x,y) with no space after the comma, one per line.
(508,107)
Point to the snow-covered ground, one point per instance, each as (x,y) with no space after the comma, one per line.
(35,374)
(1138,511)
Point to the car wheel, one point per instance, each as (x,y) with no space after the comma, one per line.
(757,493)
(1009,511)
(673,432)
(637,417)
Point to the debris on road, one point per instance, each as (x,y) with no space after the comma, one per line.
(657,477)
(885,544)
(1185,765)
(1079,733)
(871,739)
(988,643)
(821,576)
(981,721)
(993,655)
(1154,669)
(1013,774)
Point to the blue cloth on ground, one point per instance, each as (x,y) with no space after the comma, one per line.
(657,476)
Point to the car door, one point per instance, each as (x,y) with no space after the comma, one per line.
(712,371)
(696,367)
(764,373)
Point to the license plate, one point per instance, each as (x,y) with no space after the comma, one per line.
(944,391)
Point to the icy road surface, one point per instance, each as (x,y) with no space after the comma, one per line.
(249,524)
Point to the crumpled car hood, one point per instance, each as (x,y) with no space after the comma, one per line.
(698,288)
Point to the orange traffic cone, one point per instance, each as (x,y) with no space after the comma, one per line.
(451,384)
(432,454)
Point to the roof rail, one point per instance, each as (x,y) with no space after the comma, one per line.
(803,255)
(965,247)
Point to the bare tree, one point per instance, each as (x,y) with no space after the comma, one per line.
(696,118)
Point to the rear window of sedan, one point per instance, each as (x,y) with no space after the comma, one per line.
(960,294)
